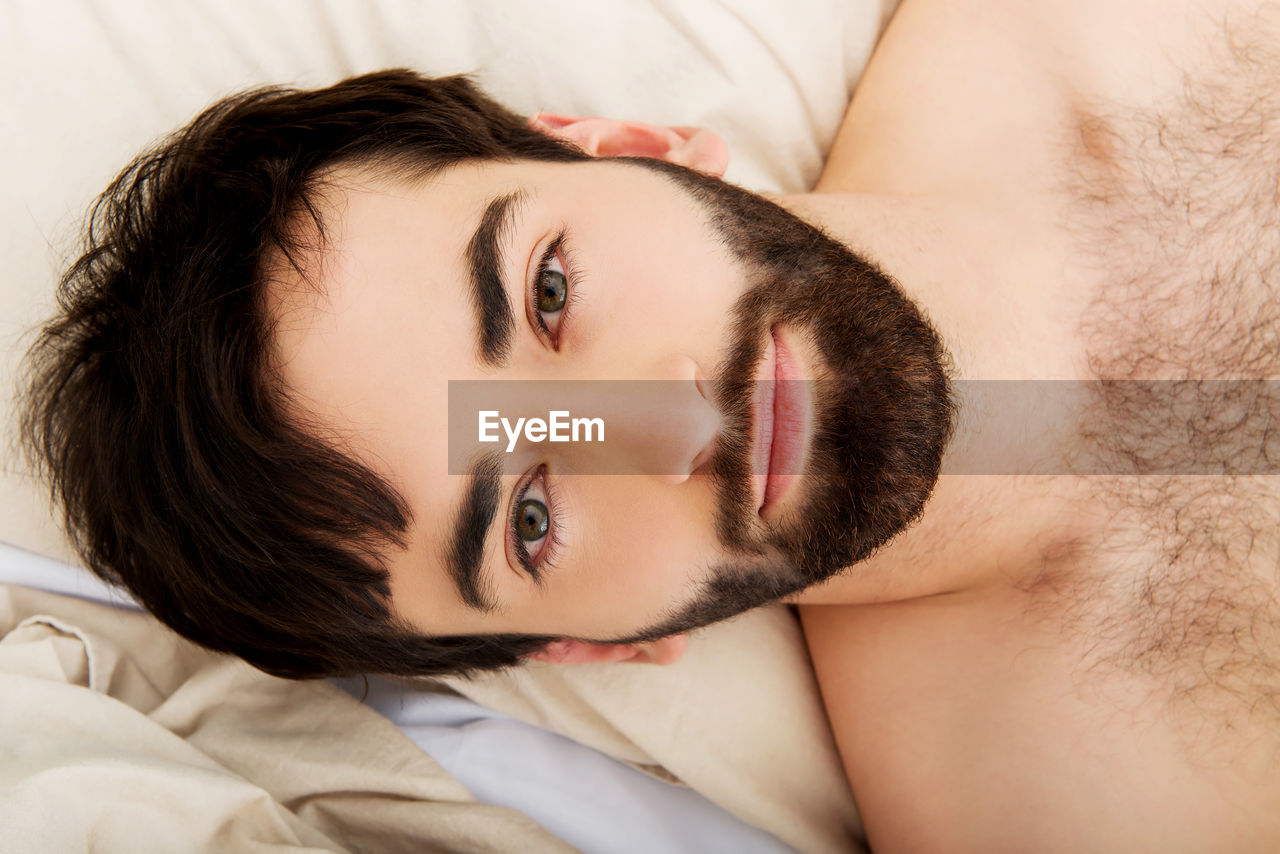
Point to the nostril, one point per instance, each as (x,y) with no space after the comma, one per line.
(701,460)
(705,387)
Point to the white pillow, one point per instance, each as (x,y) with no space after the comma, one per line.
(89,83)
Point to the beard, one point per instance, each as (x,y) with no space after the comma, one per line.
(882,413)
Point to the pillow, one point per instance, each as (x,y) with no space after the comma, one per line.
(92,82)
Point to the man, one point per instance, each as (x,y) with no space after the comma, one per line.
(255,375)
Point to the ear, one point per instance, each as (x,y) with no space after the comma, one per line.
(668,650)
(697,148)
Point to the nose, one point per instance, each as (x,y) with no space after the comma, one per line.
(663,426)
(665,429)
(660,428)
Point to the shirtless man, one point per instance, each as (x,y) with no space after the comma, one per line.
(1045,661)
(1077,191)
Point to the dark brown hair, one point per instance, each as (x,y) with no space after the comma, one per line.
(152,408)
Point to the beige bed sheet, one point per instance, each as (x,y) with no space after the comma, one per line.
(114,729)
(117,735)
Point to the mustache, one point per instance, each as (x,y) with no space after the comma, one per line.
(730,465)
(882,408)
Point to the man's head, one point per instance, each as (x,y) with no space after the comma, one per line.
(242,406)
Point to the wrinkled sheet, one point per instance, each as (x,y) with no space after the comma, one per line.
(593,801)
(115,729)
(88,641)
(116,735)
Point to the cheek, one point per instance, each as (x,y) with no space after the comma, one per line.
(641,546)
(665,290)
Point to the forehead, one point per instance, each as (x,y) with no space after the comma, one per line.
(369,332)
(383,290)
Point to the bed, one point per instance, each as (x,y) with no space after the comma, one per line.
(118,735)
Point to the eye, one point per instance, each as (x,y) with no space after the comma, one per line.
(535,524)
(553,289)
(533,519)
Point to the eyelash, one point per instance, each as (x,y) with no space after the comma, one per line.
(546,556)
(573,285)
(551,542)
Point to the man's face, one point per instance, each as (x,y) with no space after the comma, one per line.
(613,272)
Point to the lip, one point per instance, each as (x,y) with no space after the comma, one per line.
(781,425)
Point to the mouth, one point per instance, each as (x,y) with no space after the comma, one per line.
(782,414)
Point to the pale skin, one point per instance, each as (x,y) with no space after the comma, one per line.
(967,715)
(970,713)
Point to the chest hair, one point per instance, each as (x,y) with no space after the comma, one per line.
(1177,214)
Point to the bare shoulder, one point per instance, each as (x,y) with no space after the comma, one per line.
(1125,696)
(967,725)
(966,97)
(935,64)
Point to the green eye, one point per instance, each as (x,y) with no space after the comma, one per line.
(552,289)
(532,520)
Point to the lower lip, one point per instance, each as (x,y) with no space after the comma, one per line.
(788,428)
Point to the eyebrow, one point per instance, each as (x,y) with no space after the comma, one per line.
(495,321)
(465,555)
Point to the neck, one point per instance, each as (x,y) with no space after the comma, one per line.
(940,254)
(992,311)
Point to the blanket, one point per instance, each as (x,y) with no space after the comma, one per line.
(114,730)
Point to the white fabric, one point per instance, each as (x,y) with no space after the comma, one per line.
(28,569)
(586,798)
(592,801)
(89,83)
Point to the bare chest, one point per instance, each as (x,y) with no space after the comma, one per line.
(1174,215)
(1167,212)
(1126,697)
(965,724)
